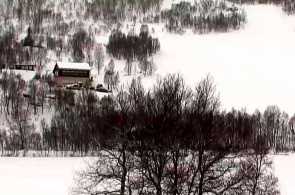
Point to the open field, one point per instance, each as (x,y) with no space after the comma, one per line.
(47,176)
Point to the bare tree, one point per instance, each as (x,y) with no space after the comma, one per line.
(99,57)
(111,77)
(257,170)
(170,140)
(110,172)
(19,123)
(33,90)
(42,91)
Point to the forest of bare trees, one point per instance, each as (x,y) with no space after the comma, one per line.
(21,100)
(174,140)
(167,140)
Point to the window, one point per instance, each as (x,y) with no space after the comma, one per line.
(75,73)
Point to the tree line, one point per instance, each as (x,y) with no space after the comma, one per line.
(99,119)
(122,10)
(203,17)
(170,140)
(288,7)
(132,46)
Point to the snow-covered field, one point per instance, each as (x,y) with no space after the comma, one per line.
(253,67)
(47,176)
(35,176)
(284,170)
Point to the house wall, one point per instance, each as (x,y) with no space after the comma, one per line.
(74,73)
(61,81)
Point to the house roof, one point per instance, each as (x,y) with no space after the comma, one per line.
(73,65)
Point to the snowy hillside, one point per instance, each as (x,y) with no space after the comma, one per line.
(253,67)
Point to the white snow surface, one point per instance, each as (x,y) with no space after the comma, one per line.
(73,65)
(253,67)
(47,176)
(35,176)
(284,170)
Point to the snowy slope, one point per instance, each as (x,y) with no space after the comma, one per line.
(253,67)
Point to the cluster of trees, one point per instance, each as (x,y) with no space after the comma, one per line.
(13,52)
(132,46)
(169,140)
(20,101)
(45,22)
(203,17)
(116,11)
(83,48)
(79,43)
(10,49)
(288,7)
(242,131)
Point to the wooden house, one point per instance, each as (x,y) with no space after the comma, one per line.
(70,73)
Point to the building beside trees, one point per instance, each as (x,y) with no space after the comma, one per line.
(70,73)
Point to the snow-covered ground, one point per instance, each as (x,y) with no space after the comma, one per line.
(47,176)
(284,170)
(35,176)
(253,67)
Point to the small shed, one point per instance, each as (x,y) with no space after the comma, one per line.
(28,67)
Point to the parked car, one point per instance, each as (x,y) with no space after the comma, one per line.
(100,88)
(77,86)
(26,95)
